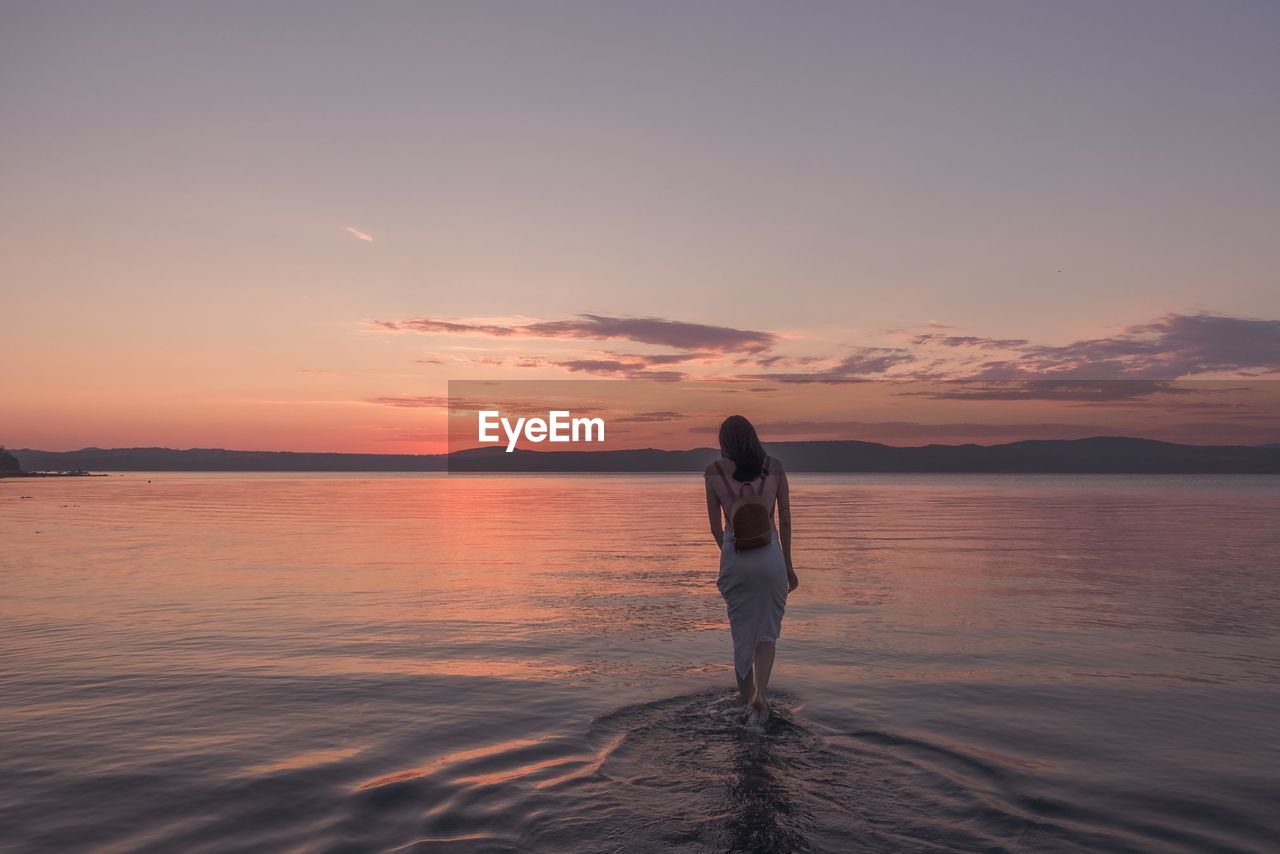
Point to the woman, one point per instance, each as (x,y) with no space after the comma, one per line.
(754,581)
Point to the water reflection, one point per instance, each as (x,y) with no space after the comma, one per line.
(762,816)
(213,662)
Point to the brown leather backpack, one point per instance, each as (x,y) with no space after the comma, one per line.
(749,515)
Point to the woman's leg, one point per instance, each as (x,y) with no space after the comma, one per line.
(763,668)
(746,687)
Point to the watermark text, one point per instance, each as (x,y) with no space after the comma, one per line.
(558,426)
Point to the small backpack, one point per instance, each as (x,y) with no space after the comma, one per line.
(749,515)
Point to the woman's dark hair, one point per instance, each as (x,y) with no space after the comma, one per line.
(739,442)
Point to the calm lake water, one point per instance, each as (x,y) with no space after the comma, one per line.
(495,663)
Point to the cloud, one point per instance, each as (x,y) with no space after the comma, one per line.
(358,234)
(774,361)
(1083,391)
(1173,346)
(970,341)
(650,417)
(1168,348)
(502,399)
(651,359)
(644,330)
(431,401)
(618,368)
(861,365)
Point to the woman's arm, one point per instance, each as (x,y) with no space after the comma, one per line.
(784,525)
(713,513)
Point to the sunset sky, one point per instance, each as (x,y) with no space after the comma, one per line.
(288,225)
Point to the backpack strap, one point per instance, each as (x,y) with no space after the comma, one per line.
(727,484)
(740,491)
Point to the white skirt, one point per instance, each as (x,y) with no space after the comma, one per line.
(754,586)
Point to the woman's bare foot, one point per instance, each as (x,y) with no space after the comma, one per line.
(760,706)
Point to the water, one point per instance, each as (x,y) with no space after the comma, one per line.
(497,663)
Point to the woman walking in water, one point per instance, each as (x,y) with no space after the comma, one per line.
(744,489)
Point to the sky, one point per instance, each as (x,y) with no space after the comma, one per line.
(288,225)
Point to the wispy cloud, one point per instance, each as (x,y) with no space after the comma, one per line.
(1174,346)
(1171,347)
(358,234)
(970,341)
(644,330)
(619,369)
(1076,391)
(860,365)
(429,401)
(652,417)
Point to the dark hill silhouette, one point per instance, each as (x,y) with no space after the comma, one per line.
(1103,454)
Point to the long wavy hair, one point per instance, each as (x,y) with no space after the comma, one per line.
(739,442)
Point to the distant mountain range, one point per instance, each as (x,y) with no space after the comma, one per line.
(1103,454)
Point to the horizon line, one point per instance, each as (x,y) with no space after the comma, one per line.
(645,448)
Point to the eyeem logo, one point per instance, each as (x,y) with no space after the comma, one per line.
(558,426)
